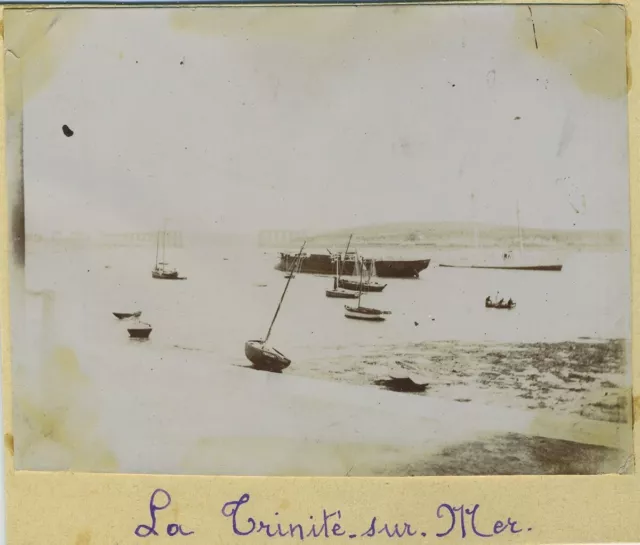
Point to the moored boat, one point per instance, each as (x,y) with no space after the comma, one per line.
(162,271)
(340,293)
(141,331)
(507,267)
(499,304)
(126,315)
(324,264)
(509,262)
(364,313)
(348,284)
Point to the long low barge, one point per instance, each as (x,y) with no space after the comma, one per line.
(326,264)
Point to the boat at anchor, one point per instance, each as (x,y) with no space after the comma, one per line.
(508,261)
(162,270)
(364,313)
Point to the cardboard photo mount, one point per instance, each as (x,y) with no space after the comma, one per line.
(79,508)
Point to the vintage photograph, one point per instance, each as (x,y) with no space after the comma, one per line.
(321,241)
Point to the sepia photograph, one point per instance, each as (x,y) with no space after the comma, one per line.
(321,241)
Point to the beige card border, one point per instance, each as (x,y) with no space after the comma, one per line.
(81,509)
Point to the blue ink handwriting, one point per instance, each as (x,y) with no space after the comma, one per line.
(458,518)
(453,521)
(462,522)
(155,505)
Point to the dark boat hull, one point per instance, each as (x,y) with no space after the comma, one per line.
(402,385)
(264,359)
(324,264)
(363,313)
(355,286)
(555,268)
(498,306)
(165,276)
(338,294)
(139,333)
(125,315)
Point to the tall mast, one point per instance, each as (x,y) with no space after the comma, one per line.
(157,247)
(360,291)
(347,248)
(285,291)
(164,243)
(519,229)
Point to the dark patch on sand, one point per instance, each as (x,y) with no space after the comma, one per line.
(515,454)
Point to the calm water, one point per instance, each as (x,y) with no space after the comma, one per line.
(221,304)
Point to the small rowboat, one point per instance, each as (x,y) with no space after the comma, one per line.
(265,358)
(125,315)
(141,331)
(500,305)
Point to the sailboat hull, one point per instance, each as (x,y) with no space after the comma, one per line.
(341,294)
(126,315)
(363,313)
(139,333)
(265,359)
(556,268)
(355,286)
(173,275)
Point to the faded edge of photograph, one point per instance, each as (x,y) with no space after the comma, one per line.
(383,241)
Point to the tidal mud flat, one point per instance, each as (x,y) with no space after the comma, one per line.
(581,380)
(584,378)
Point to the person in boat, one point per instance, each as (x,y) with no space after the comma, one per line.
(501,302)
(487,301)
(510,302)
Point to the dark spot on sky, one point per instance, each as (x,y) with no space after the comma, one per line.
(517,118)
(67,130)
(181,62)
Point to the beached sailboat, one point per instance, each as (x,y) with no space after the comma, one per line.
(162,271)
(518,262)
(265,357)
(364,313)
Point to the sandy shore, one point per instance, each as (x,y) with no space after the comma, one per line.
(182,413)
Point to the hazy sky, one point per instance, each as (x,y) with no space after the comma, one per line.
(240,119)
